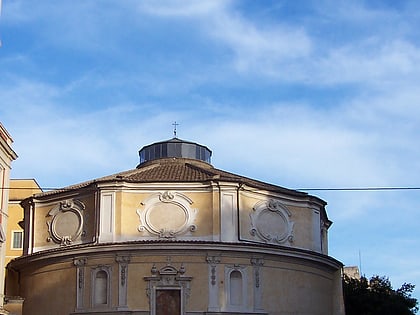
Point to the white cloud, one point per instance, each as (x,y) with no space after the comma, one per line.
(372,62)
(301,144)
(255,48)
(182,8)
(376,56)
(259,49)
(355,12)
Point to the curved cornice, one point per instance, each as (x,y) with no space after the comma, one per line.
(187,248)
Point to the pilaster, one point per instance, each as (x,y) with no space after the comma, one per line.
(257,263)
(123,261)
(80,263)
(213,261)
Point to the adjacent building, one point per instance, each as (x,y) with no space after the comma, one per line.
(352,272)
(175,235)
(19,189)
(7,156)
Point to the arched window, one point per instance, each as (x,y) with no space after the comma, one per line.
(235,294)
(101,287)
(236,288)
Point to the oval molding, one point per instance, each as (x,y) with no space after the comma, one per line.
(66,223)
(270,222)
(167,215)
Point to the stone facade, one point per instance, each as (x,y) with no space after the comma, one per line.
(176,236)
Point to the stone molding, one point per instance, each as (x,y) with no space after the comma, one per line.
(173,204)
(123,260)
(257,264)
(66,222)
(213,261)
(270,222)
(168,278)
(108,270)
(230,290)
(80,263)
(222,249)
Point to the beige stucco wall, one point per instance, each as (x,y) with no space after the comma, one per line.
(209,229)
(19,190)
(41,236)
(15,215)
(128,203)
(226,213)
(308,289)
(48,289)
(304,216)
(289,284)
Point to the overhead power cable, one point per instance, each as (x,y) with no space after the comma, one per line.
(299,189)
(359,189)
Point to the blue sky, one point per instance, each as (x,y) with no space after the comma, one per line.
(302,94)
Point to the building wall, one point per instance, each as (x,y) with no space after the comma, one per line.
(7,155)
(50,222)
(272,283)
(19,190)
(199,212)
(224,247)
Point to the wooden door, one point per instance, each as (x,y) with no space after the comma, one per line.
(168,302)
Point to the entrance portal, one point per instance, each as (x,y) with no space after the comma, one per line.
(168,302)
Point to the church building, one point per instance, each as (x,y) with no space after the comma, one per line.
(176,236)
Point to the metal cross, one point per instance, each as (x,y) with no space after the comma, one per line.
(175,124)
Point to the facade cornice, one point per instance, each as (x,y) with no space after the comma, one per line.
(175,247)
(5,143)
(286,198)
(46,198)
(121,185)
(8,151)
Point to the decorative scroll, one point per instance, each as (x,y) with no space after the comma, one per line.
(270,222)
(167,215)
(123,262)
(66,223)
(257,263)
(213,261)
(80,263)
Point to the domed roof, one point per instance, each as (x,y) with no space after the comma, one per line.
(175,161)
(175,148)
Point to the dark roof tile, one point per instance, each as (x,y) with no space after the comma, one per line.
(177,170)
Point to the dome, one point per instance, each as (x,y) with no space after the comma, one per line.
(175,148)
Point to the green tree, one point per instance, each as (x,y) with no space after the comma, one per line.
(377,297)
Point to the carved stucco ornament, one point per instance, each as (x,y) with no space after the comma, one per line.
(65,225)
(270,222)
(167,215)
